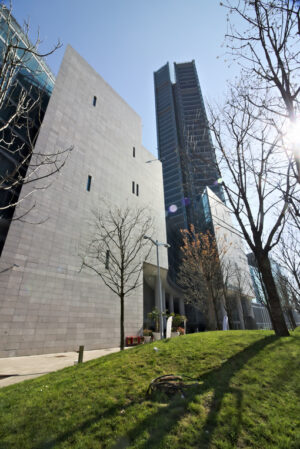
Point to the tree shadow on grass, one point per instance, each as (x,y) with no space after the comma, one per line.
(218,380)
(64,436)
(152,430)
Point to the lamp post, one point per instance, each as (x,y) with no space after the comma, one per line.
(166,245)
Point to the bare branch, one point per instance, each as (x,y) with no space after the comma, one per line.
(117,250)
(24,95)
(268,52)
(258,181)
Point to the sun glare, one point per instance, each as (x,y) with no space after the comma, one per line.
(292,134)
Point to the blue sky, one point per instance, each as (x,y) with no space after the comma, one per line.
(126,40)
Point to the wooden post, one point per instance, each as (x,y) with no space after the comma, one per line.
(80,354)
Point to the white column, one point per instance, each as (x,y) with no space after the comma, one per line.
(171,303)
(248,306)
(181,306)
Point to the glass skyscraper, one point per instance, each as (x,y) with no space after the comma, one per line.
(27,77)
(186,151)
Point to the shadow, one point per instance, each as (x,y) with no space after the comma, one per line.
(217,380)
(109,413)
(156,426)
(2,376)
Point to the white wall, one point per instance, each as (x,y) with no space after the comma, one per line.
(46,304)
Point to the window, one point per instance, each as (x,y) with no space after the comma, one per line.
(133,152)
(94,101)
(89,182)
(137,190)
(133,187)
(107,259)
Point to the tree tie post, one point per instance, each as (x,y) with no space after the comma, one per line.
(80,354)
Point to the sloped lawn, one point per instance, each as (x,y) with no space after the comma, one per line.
(247,397)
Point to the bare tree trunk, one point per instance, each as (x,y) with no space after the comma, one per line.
(116,250)
(228,311)
(238,301)
(273,299)
(215,307)
(230,320)
(122,333)
(219,327)
(264,301)
(212,317)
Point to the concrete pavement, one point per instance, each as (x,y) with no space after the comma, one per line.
(17,369)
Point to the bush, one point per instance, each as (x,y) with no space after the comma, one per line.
(178,321)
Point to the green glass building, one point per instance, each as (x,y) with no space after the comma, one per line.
(25,89)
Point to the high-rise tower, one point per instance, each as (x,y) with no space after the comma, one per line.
(26,86)
(186,151)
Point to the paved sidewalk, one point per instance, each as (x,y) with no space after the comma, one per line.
(18,369)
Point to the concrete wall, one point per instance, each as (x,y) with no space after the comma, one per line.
(46,304)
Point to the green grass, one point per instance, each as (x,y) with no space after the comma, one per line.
(246,398)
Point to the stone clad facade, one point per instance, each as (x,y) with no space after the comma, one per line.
(46,303)
(234,264)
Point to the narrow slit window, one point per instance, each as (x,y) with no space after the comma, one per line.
(94,101)
(133,151)
(137,190)
(107,260)
(89,183)
(133,187)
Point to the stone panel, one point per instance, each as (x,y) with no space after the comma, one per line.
(47,303)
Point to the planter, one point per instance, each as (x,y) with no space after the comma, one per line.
(147,338)
(156,335)
(174,334)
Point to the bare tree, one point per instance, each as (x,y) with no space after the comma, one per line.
(286,297)
(283,285)
(200,274)
(191,280)
(259,182)
(243,295)
(261,294)
(265,44)
(117,250)
(227,270)
(230,300)
(24,94)
(288,255)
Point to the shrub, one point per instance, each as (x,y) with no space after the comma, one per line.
(177,321)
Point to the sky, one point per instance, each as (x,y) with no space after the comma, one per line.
(125,41)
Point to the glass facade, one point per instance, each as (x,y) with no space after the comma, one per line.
(186,151)
(28,77)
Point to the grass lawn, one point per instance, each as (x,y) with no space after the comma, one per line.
(247,397)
